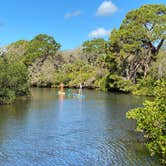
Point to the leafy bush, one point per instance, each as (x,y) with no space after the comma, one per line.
(151,120)
(13,81)
(144,87)
(118,83)
(7,96)
(41,46)
(74,73)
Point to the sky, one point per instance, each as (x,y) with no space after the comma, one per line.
(70,22)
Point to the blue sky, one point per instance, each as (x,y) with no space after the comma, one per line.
(70,22)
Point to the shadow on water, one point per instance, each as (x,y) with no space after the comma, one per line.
(52,129)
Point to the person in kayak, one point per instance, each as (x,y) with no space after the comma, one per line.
(61,87)
(69,92)
(80,89)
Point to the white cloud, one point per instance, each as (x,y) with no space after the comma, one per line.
(73,14)
(99,32)
(106,8)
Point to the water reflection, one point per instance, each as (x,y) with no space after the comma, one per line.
(61,98)
(52,129)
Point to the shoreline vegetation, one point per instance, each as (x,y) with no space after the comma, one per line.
(133,60)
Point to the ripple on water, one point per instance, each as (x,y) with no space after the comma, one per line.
(71,133)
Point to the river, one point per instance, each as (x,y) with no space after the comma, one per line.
(48,130)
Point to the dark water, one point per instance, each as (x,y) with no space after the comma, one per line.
(49,130)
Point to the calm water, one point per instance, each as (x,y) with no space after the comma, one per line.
(49,130)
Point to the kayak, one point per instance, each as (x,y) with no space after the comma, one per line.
(61,93)
(79,95)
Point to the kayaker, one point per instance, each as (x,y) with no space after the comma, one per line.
(68,91)
(61,87)
(80,89)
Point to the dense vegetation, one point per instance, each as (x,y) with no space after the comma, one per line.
(40,47)
(15,61)
(132,60)
(137,43)
(89,68)
(151,121)
(13,80)
(147,27)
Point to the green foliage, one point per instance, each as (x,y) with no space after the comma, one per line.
(72,74)
(134,55)
(16,50)
(101,80)
(158,68)
(41,46)
(13,81)
(92,49)
(118,83)
(147,85)
(144,87)
(101,61)
(151,120)
(17,44)
(137,43)
(7,96)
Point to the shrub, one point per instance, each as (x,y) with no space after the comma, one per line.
(151,120)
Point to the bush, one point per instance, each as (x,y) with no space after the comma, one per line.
(118,83)
(144,87)
(13,81)
(74,73)
(7,96)
(151,120)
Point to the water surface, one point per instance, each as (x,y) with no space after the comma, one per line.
(49,130)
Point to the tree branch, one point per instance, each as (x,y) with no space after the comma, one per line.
(159,46)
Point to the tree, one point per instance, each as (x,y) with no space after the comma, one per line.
(13,80)
(18,47)
(93,49)
(137,43)
(41,46)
